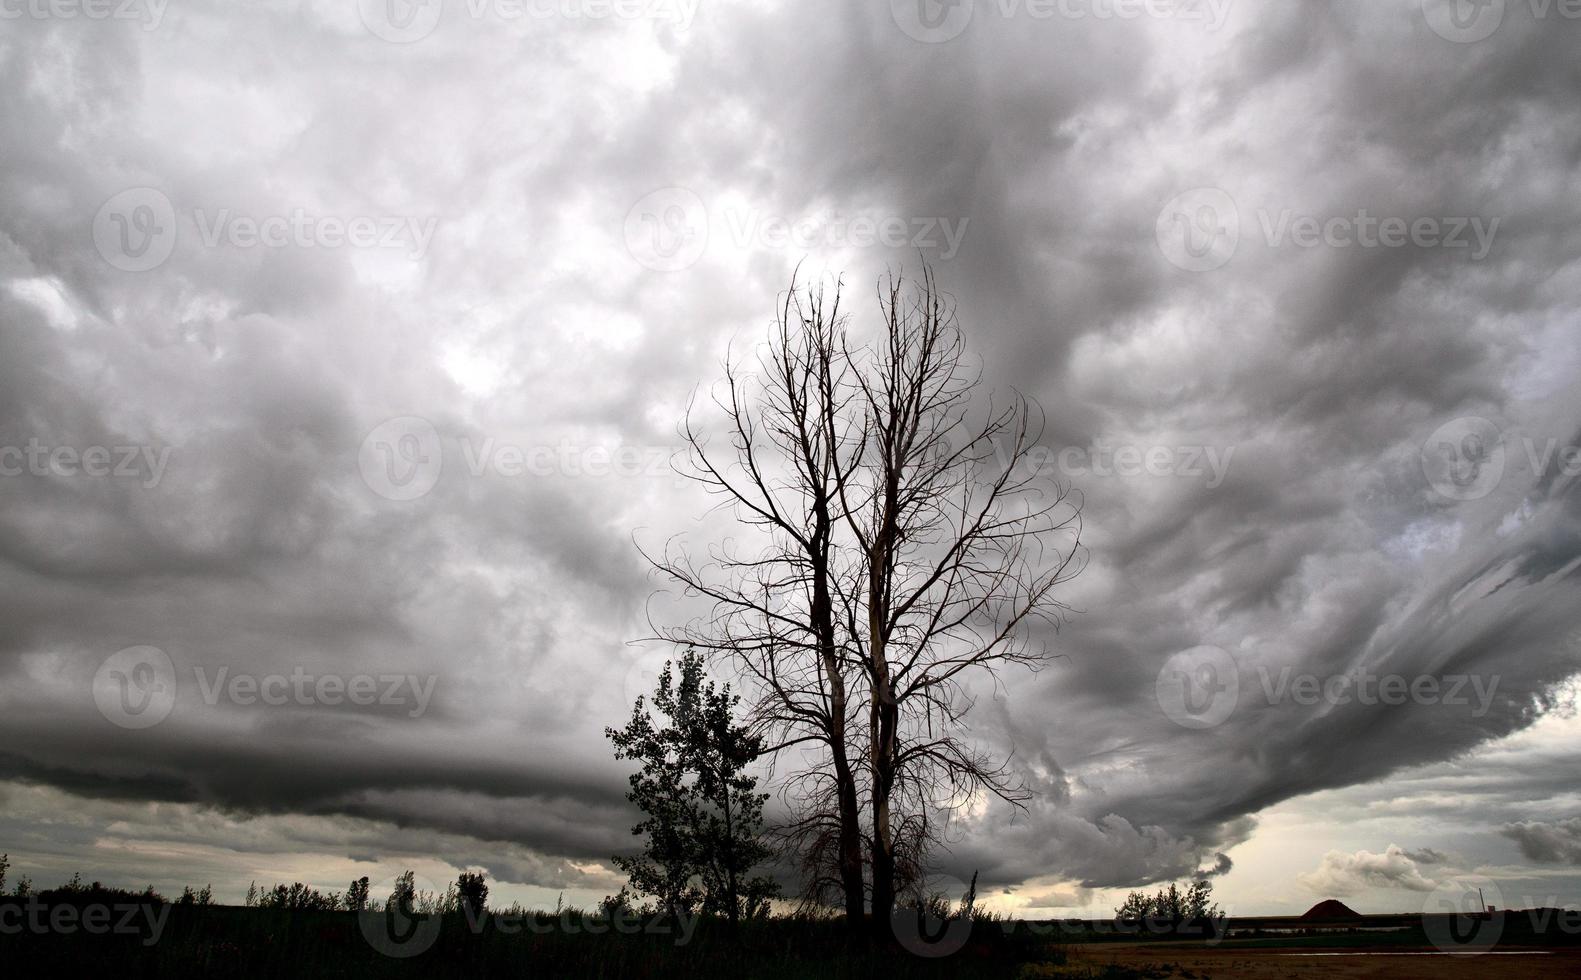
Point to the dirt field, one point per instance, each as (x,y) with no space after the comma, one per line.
(1153,961)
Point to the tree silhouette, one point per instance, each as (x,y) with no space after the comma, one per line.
(703,816)
(909,546)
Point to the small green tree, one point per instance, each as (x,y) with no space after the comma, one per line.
(703,814)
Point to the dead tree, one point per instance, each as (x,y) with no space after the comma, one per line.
(962,542)
(773,609)
(906,546)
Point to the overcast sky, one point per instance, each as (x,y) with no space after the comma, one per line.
(345,344)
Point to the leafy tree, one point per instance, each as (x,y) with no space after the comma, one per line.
(403,896)
(298,898)
(1170,906)
(357,895)
(1199,901)
(703,815)
(203,896)
(472,892)
(5,865)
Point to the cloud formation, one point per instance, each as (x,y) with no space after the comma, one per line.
(548,326)
(1346,874)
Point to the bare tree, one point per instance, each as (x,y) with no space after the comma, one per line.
(774,609)
(908,547)
(962,541)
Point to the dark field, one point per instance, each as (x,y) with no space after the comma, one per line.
(143,940)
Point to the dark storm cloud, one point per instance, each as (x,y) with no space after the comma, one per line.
(1313,375)
(1548,843)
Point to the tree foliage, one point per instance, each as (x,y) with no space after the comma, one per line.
(702,815)
(1171,905)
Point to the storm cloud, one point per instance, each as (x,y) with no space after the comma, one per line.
(295,258)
